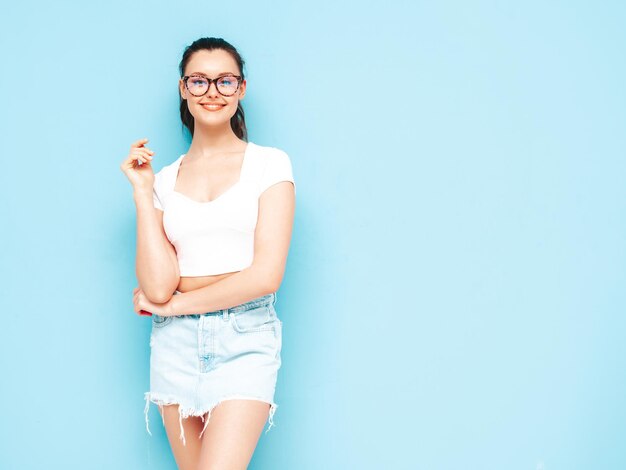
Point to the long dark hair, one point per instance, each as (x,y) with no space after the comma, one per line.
(238,121)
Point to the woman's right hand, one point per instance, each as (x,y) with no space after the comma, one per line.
(140,176)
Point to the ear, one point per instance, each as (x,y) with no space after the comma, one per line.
(242,89)
(182,89)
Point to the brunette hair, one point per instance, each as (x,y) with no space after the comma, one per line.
(238,121)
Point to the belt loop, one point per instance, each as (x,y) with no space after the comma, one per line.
(225,314)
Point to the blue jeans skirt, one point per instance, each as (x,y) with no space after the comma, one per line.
(198,361)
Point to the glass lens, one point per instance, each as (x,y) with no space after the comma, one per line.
(197,85)
(227,85)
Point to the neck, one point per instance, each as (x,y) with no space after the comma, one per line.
(209,141)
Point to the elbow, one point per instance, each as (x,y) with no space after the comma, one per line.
(158,296)
(268,276)
(270,287)
(157,288)
(272,282)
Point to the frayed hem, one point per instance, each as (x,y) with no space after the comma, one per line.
(185,412)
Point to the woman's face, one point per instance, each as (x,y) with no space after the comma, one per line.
(212,64)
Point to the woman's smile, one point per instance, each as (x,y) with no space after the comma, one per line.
(213,107)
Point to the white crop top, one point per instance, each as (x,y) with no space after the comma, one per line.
(217,237)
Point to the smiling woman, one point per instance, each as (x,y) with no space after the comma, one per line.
(214,229)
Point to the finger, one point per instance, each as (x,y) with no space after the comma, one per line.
(141,158)
(139,143)
(140,155)
(144,155)
(142,151)
(131,163)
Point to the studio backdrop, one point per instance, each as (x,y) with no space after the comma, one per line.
(454,293)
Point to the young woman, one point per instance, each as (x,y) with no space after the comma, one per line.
(213,234)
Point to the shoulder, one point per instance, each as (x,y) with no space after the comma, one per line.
(167,168)
(273,165)
(268,155)
(165,173)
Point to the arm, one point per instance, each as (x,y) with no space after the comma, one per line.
(156,263)
(271,245)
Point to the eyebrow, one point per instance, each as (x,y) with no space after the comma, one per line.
(205,75)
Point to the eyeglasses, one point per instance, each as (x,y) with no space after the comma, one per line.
(199,85)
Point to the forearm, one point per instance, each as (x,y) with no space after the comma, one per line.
(235,289)
(156,266)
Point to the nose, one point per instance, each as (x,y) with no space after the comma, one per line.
(214,93)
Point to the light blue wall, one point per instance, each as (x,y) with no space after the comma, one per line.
(454,297)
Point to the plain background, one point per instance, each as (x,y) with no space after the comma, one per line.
(454,297)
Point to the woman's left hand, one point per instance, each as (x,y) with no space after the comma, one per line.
(141,302)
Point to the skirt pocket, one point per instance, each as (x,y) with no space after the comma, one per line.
(255,319)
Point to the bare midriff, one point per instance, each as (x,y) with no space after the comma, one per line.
(187,284)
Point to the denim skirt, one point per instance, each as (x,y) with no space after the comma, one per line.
(200,360)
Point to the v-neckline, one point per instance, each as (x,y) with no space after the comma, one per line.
(241,172)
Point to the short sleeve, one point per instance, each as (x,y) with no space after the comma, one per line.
(156,192)
(278,168)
